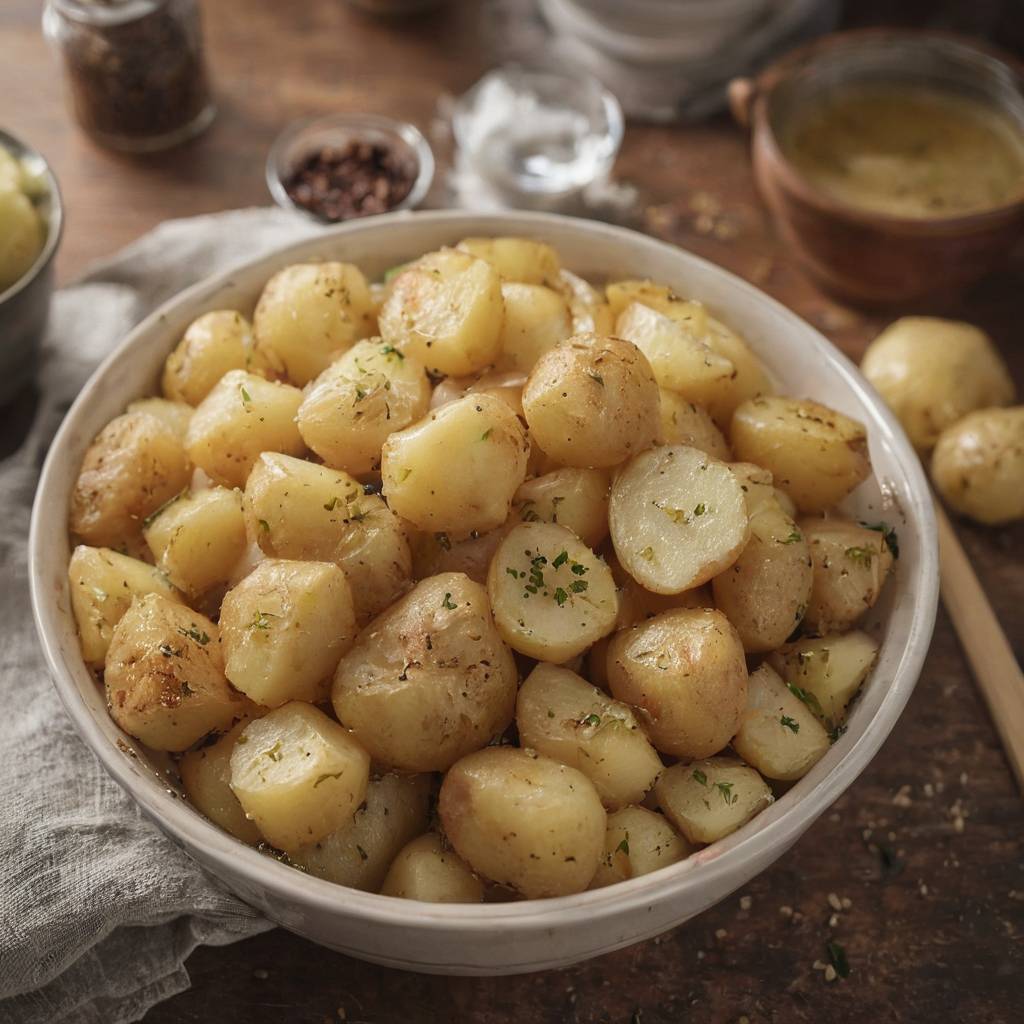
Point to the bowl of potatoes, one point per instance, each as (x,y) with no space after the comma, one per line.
(481,593)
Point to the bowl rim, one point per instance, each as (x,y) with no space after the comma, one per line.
(235,859)
(815,51)
(406,131)
(55,221)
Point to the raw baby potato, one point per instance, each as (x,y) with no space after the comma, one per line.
(359,853)
(683,422)
(103,584)
(308,314)
(707,800)
(563,717)
(592,401)
(677,518)
(362,397)
(164,675)
(576,498)
(425,870)
(241,417)
(778,733)
(536,320)
(552,597)
(524,821)
(430,680)
(816,455)
(978,465)
(457,470)
(637,842)
(134,466)
(284,628)
(516,259)
(298,775)
(933,372)
(446,310)
(851,564)
(685,673)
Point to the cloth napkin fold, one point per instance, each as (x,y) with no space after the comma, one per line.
(98,910)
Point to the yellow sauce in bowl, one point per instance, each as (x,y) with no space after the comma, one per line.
(907,151)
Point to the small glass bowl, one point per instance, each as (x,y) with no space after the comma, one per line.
(302,138)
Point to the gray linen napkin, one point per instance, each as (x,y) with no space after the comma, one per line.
(98,910)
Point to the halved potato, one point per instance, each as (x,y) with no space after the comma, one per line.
(576,498)
(425,870)
(683,422)
(637,842)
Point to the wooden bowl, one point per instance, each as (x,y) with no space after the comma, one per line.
(860,255)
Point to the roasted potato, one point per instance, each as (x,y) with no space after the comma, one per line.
(683,422)
(637,842)
(524,821)
(576,498)
(536,320)
(425,870)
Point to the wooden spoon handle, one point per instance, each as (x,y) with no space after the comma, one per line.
(992,660)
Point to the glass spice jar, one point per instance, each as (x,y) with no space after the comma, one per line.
(135,69)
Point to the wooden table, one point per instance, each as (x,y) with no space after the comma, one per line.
(924,855)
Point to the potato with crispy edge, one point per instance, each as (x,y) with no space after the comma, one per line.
(426,870)
(686,674)
(637,842)
(592,401)
(572,497)
(430,679)
(524,821)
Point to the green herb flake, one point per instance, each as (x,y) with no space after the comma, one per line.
(447,602)
(560,559)
(167,650)
(725,788)
(577,569)
(794,538)
(700,776)
(807,697)
(261,620)
(623,847)
(591,719)
(837,732)
(405,474)
(862,556)
(487,433)
(512,572)
(560,596)
(837,957)
(163,508)
(789,723)
(700,509)
(361,393)
(246,397)
(888,535)
(390,350)
(200,636)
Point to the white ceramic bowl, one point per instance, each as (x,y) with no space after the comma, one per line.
(527,936)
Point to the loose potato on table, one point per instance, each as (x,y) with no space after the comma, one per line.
(592,401)
(778,733)
(933,372)
(816,455)
(683,422)
(300,510)
(707,800)
(552,597)
(241,417)
(978,465)
(457,470)
(206,776)
(198,539)
(425,870)
(576,498)
(524,821)
(446,310)
(298,775)
(826,672)
(134,466)
(677,518)
(637,842)
(366,394)
(522,260)
(175,416)
(212,345)
(563,717)
(430,680)
(164,675)
(685,673)
(103,584)
(851,565)
(284,628)
(308,314)
(536,320)
(358,854)
(765,592)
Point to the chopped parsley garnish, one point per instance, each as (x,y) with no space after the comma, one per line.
(789,723)
(623,846)
(700,776)
(447,602)
(577,569)
(861,555)
(700,509)
(806,696)
(794,538)
(578,586)
(167,650)
(200,636)
(725,788)
(361,393)
(246,397)
(560,596)
(837,732)
(487,433)
(888,535)
(261,620)
(390,350)
(512,572)
(560,559)
(837,957)
(591,719)
(406,473)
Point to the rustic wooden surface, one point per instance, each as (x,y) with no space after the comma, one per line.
(927,846)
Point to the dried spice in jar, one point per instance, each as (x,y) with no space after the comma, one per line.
(135,69)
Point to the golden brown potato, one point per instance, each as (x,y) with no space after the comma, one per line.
(563,717)
(363,396)
(134,466)
(682,422)
(685,673)
(932,372)
(430,680)
(516,259)
(851,565)
(425,870)
(284,628)
(637,842)
(241,417)
(815,454)
(536,320)
(164,675)
(575,498)
(524,821)
(552,597)
(212,345)
(592,401)
(457,470)
(298,775)
(308,314)
(978,465)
